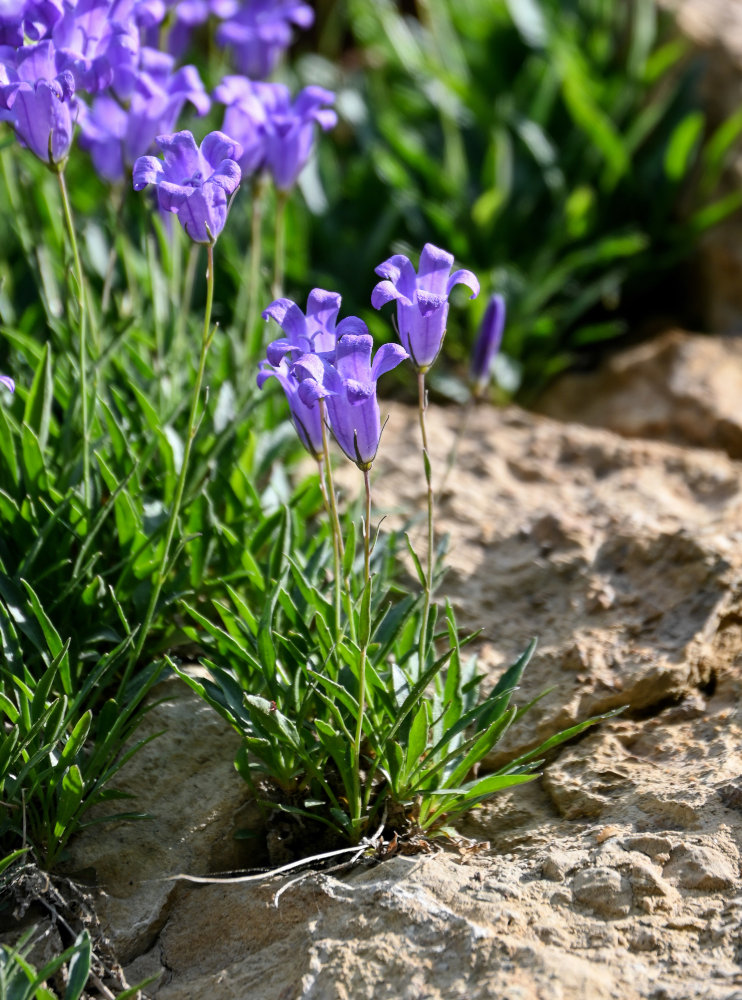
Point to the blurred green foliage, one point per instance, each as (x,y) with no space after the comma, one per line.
(547,143)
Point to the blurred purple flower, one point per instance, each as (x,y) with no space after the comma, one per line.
(310,333)
(8,382)
(422,299)
(347,382)
(21,19)
(98,40)
(260,30)
(194,183)
(276,134)
(488,342)
(38,101)
(116,136)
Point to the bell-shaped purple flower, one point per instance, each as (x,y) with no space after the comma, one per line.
(260,30)
(310,333)
(276,133)
(194,183)
(33,19)
(98,40)
(38,101)
(307,419)
(313,332)
(422,299)
(348,385)
(8,382)
(488,342)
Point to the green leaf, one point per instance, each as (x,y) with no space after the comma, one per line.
(37,411)
(683,143)
(79,967)
(364,631)
(350,550)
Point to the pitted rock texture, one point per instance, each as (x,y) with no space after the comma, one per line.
(617,875)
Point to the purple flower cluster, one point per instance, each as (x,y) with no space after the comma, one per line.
(276,133)
(8,382)
(319,360)
(260,30)
(56,50)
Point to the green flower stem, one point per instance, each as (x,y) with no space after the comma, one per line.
(279,257)
(335,540)
(83,347)
(337,532)
(117,213)
(422,405)
(365,636)
(253,334)
(188,282)
(161,576)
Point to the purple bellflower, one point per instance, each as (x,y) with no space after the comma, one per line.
(488,343)
(32,19)
(310,333)
(38,101)
(194,183)
(306,418)
(116,136)
(347,382)
(313,333)
(8,382)
(260,30)
(98,40)
(276,134)
(422,299)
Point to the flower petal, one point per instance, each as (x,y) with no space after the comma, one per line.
(147,170)
(387,357)
(310,390)
(227,176)
(217,147)
(464,277)
(353,354)
(428,302)
(181,156)
(290,318)
(399,270)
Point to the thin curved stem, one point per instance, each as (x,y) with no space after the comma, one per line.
(279,256)
(163,568)
(252,334)
(83,347)
(336,541)
(365,637)
(422,406)
(364,641)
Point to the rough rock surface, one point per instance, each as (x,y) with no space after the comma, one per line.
(679,387)
(615,876)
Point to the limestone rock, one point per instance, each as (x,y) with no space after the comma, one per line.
(184,781)
(617,876)
(679,387)
(693,866)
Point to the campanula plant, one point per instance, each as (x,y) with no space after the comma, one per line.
(357,714)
